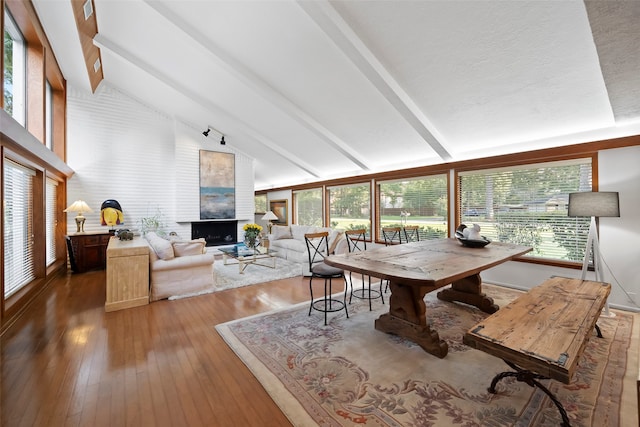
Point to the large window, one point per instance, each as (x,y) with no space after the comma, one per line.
(18,227)
(308,207)
(350,207)
(528,205)
(14,70)
(51,219)
(48,116)
(260,202)
(418,201)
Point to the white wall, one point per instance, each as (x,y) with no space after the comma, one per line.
(121,149)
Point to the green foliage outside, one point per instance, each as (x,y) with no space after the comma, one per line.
(8,73)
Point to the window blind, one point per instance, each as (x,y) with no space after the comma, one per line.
(528,205)
(18,226)
(308,207)
(51,219)
(419,201)
(350,207)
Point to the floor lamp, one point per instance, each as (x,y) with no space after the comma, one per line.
(594,204)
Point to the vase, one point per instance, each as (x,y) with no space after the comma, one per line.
(251,242)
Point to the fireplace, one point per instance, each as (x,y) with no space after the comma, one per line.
(216,233)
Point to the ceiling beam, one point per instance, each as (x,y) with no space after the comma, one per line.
(337,29)
(259,85)
(87,29)
(109,46)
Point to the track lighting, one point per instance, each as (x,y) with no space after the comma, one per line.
(222,142)
(206,132)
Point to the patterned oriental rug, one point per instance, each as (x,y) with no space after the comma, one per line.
(347,373)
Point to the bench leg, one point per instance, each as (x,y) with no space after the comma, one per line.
(531,379)
(598,331)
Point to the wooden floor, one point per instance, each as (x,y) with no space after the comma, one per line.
(69,363)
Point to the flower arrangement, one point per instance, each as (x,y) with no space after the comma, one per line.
(251,233)
(252,230)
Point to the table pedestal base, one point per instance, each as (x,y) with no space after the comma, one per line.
(420,334)
(469,291)
(407,318)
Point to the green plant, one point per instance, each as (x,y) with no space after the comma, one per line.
(152,223)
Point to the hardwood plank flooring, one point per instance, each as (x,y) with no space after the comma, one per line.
(69,363)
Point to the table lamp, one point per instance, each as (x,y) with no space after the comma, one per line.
(79,206)
(594,204)
(269,216)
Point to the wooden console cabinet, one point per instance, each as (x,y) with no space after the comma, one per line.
(87,251)
(127,273)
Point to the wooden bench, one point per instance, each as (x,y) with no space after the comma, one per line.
(543,333)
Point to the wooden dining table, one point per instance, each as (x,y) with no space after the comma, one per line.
(414,269)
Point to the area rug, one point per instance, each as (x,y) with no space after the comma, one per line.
(347,373)
(228,276)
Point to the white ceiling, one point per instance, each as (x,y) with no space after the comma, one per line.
(315,90)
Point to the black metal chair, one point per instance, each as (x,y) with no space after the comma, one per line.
(318,249)
(356,241)
(392,235)
(411,233)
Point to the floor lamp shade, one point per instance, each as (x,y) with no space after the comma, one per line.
(594,203)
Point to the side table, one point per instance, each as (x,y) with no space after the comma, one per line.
(87,251)
(127,273)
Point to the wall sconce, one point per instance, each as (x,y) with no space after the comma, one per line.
(79,206)
(206,132)
(222,142)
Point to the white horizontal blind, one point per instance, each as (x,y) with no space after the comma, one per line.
(350,207)
(308,207)
(51,219)
(528,205)
(18,227)
(419,201)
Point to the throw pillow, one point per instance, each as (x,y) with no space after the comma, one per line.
(190,247)
(281,232)
(160,246)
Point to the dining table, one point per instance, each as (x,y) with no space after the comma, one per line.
(417,268)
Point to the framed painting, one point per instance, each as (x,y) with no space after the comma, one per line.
(279,208)
(217,185)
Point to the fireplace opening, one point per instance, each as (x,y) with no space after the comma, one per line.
(215,233)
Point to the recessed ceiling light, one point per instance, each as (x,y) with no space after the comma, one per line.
(88,9)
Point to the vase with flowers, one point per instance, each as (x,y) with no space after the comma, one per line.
(251,233)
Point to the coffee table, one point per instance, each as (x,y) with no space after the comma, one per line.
(264,257)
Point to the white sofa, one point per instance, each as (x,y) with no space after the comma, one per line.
(288,242)
(179,268)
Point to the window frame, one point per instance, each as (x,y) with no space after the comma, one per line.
(524,164)
(297,210)
(329,205)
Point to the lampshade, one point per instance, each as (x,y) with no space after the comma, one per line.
(269,216)
(594,203)
(78,206)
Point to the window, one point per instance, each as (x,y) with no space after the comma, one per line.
(350,207)
(18,227)
(14,70)
(260,201)
(48,117)
(51,219)
(308,207)
(418,201)
(528,205)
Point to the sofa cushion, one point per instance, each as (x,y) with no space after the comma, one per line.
(298,231)
(160,246)
(281,232)
(189,247)
(334,238)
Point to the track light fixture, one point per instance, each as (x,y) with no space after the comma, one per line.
(222,141)
(206,132)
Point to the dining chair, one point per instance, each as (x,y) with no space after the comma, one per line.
(392,235)
(318,249)
(356,242)
(411,233)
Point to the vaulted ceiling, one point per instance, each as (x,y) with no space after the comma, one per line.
(318,89)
